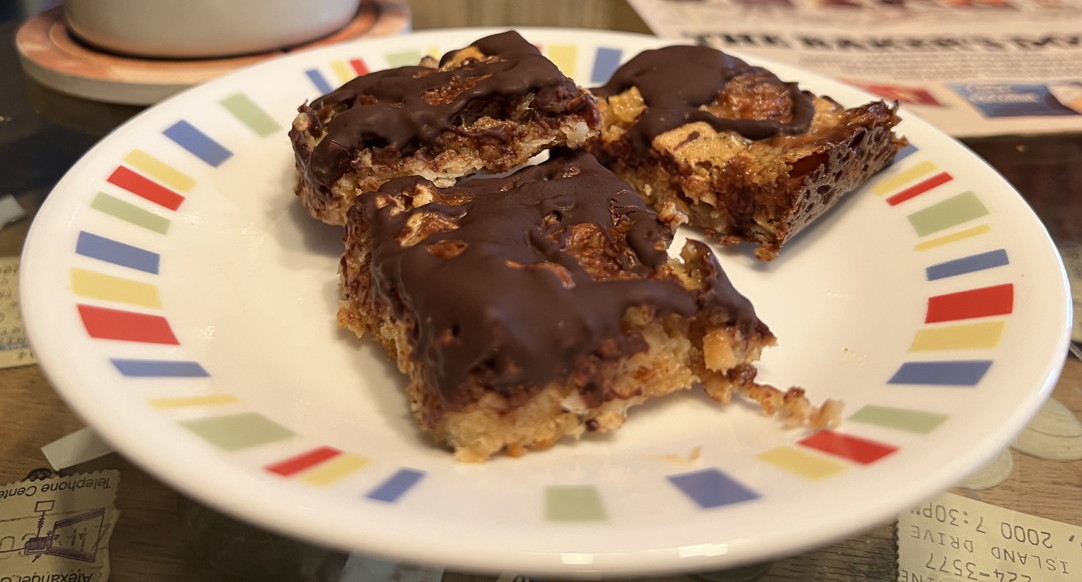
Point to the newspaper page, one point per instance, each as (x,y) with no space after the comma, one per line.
(972,67)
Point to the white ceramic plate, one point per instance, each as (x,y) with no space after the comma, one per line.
(184,305)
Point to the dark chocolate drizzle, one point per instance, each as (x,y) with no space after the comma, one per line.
(411,107)
(513,308)
(676,81)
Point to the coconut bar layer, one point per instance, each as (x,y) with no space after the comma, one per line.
(530,307)
(490,106)
(747,157)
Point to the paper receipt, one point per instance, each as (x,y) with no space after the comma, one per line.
(953,538)
(14,350)
(57,528)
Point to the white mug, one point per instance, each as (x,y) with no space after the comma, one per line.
(192,29)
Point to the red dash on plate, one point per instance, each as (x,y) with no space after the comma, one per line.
(970,304)
(359,66)
(145,188)
(103,323)
(303,461)
(856,449)
(919,188)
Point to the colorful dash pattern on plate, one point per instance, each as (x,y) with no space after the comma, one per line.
(146,188)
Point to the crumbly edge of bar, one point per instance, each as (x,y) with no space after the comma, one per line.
(741,190)
(460,154)
(682,353)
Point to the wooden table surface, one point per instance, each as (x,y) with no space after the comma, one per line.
(163,536)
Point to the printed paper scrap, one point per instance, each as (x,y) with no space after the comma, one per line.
(58,528)
(953,538)
(14,349)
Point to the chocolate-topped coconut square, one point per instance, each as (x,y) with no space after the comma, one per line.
(490,106)
(746,156)
(543,304)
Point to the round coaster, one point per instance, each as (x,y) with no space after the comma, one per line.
(53,57)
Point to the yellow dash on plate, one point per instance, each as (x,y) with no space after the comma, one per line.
(187,401)
(981,335)
(342,71)
(904,178)
(109,288)
(564,56)
(953,237)
(805,464)
(159,170)
(333,470)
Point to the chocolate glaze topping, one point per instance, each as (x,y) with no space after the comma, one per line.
(676,81)
(411,107)
(510,303)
